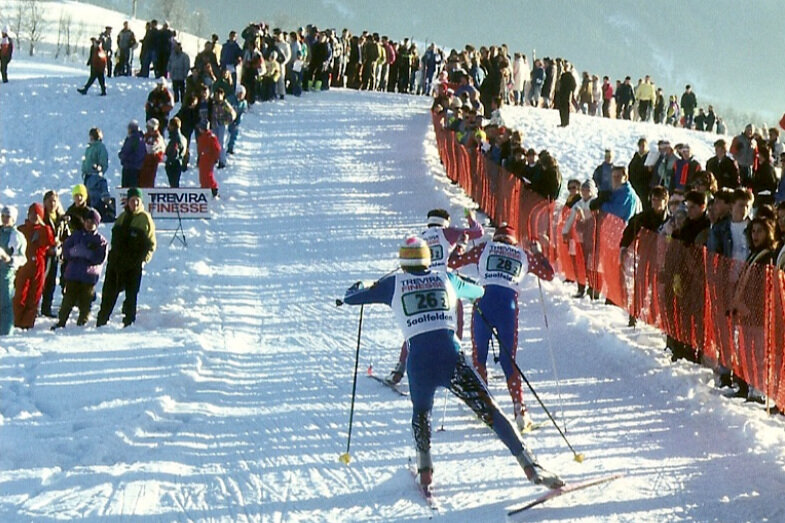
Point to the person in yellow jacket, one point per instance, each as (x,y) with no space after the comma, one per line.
(646,96)
(133,245)
(271,76)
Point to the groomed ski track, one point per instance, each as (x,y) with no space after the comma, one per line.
(229,399)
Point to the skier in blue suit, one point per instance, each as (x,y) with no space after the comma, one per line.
(424,303)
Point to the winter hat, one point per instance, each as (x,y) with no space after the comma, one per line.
(94,215)
(438,218)
(161,81)
(240,90)
(134,191)
(79,189)
(591,186)
(10,210)
(505,233)
(152,123)
(38,208)
(134,125)
(6,29)
(414,253)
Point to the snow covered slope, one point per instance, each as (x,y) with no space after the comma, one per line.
(229,399)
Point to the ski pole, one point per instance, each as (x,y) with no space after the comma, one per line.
(553,360)
(444,412)
(345,457)
(578,457)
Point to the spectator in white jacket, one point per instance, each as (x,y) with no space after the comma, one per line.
(12,256)
(284,58)
(520,72)
(582,219)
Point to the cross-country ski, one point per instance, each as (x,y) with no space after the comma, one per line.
(566,489)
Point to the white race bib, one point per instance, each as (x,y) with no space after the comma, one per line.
(439,246)
(424,303)
(502,264)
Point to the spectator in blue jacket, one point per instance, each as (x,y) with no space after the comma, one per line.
(231,54)
(240,106)
(85,253)
(132,155)
(720,240)
(603,174)
(622,202)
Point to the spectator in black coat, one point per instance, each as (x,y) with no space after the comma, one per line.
(764,179)
(565,94)
(640,175)
(625,98)
(723,167)
(688,105)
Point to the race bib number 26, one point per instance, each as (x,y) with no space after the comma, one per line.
(425,301)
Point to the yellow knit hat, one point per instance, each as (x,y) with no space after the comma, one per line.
(79,188)
(414,253)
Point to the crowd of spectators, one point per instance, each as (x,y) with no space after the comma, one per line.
(733,205)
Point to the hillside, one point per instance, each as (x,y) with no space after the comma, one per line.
(228,399)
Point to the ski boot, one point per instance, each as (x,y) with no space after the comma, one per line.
(396,375)
(522,419)
(424,469)
(535,473)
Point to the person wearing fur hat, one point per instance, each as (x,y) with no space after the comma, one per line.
(13,247)
(159,104)
(502,263)
(424,304)
(133,245)
(30,278)
(209,151)
(132,155)
(85,252)
(441,239)
(6,52)
(97,63)
(154,154)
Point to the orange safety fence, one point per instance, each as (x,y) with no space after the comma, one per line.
(730,313)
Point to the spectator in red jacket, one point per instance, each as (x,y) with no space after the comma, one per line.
(209,151)
(154,147)
(6,52)
(31,276)
(97,63)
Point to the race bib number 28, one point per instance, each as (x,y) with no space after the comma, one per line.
(425,301)
(504,264)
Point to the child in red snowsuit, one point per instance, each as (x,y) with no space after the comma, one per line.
(209,152)
(154,154)
(31,276)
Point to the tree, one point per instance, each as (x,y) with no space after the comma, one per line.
(173,11)
(64,29)
(34,24)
